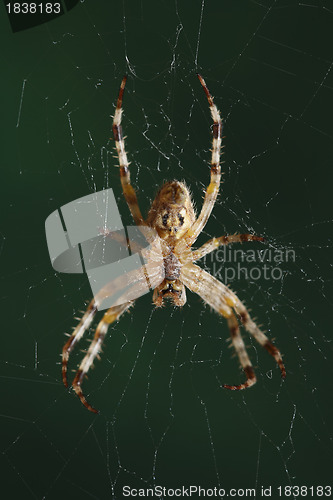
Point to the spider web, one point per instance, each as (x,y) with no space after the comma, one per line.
(164,417)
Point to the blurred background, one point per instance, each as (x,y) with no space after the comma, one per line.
(164,417)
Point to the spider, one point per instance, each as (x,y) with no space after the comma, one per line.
(173,217)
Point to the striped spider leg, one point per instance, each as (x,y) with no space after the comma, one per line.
(215,243)
(111,315)
(114,313)
(224,301)
(215,170)
(215,176)
(125,177)
(211,193)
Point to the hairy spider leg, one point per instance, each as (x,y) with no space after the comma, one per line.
(130,284)
(221,299)
(215,171)
(125,179)
(113,314)
(244,359)
(212,291)
(259,336)
(77,334)
(87,318)
(215,243)
(256,333)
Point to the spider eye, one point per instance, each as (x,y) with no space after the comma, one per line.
(165,219)
(181,219)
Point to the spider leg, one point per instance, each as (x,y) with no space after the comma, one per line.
(255,331)
(212,291)
(215,171)
(244,359)
(222,299)
(109,317)
(215,243)
(259,336)
(131,284)
(125,179)
(77,334)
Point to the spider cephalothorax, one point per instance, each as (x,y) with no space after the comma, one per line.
(173,218)
(172,212)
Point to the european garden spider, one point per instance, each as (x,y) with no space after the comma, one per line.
(173,217)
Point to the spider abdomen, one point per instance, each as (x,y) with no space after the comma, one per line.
(172,267)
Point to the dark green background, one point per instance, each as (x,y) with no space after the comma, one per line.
(164,417)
